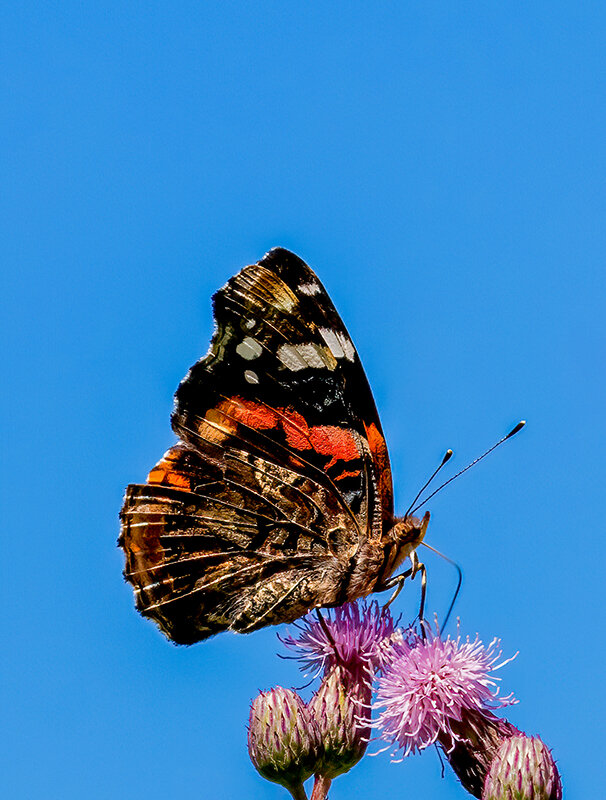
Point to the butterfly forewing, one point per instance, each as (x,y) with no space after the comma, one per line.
(281,476)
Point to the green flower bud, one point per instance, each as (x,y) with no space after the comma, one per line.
(340,708)
(523,769)
(283,739)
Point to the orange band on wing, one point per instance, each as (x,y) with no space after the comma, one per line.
(168,472)
(326,440)
(378,449)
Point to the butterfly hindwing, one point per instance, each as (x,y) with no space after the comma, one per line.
(232,543)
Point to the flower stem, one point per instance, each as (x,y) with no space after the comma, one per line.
(321,787)
(298,792)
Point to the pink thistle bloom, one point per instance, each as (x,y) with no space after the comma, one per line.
(432,685)
(363,634)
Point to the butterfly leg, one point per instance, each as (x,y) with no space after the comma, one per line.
(423,572)
(399,580)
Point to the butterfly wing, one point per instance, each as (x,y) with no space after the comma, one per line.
(283,377)
(282,473)
(217,541)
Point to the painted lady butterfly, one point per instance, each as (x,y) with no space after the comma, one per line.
(278,496)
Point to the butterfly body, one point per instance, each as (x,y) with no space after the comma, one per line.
(278,496)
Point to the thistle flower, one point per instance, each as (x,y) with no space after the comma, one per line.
(283,739)
(340,709)
(431,685)
(523,769)
(362,633)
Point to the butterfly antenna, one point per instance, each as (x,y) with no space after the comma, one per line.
(459,581)
(447,456)
(511,433)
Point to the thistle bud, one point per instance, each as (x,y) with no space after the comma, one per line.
(471,746)
(523,769)
(283,739)
(339,708)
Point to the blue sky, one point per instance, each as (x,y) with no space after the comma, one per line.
(442,169)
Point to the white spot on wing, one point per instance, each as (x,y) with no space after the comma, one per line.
(310,288)
(251,376)
(249,348)
(347,345)
(312,354)
(339,343)
(300,356)
(249,323)
(334,345)
(289,356)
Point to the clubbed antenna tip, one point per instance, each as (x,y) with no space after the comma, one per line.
(517,428)
(416,507)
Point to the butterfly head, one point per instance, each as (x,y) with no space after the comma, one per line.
(404,538)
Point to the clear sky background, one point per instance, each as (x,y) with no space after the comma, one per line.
(443,170)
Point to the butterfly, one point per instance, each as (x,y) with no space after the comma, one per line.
(278,496)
